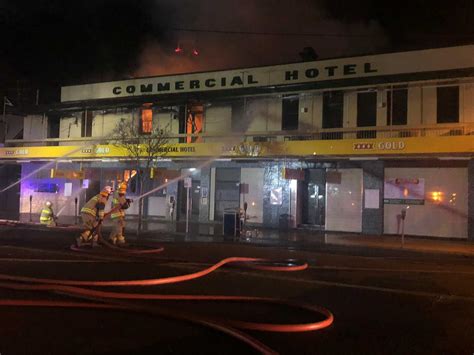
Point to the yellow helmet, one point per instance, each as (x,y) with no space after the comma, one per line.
(122,188)
(106,191)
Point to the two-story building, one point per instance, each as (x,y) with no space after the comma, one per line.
(344,144)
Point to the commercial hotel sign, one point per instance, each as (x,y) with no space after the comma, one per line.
(279,75)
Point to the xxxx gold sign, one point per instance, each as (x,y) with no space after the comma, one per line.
(303,148)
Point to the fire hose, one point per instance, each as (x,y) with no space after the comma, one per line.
(122,300)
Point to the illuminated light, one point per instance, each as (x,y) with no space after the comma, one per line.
(253,203)
(454,194)
(350,192)
(314,153)
(408,207)
(353,204)
(192,169)
(436,196)
(178,49)
(405,192)
(195,52)
(166,180)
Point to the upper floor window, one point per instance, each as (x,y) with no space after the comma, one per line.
(86,124)
(333,113)
(194,122)
(397,106)
(147,120)
(447,104)
(290,113)
(366,113)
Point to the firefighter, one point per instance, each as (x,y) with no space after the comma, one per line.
(47,215)
(92,215)
(119,204)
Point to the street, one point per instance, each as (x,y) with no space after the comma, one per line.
(383,303)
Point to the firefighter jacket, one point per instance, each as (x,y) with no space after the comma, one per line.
(119,204)
(95,206)
(47,215)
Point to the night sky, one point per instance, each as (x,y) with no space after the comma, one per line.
(46,44)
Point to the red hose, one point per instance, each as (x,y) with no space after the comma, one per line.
(148,282)
(254,343)
(70,288)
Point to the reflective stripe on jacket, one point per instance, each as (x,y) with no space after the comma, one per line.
(91,206)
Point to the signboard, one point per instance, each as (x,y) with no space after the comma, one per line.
(276,196)
(372,198)
(67,174)
(244,188)
(343,147)
(68,189)
(188,182)
(288,74)
(164,174)
(404,191)
(293,174)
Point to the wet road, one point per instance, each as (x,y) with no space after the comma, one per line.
(383,303)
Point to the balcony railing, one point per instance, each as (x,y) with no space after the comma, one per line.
(438,130)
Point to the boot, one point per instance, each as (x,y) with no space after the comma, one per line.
(121,241)
(79,242)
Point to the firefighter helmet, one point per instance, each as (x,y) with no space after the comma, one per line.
(48,203)
(106,191)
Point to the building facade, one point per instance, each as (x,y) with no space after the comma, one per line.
(342,144)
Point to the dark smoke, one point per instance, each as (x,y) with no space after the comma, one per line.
(224,50)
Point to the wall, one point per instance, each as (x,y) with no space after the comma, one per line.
(34,127)
(441,220)
(217,119)
(264,114)
(350,112)
(466,106)
(104,124)
(70,127)
(344,202)
(414,109)
(428,102)
(312,119)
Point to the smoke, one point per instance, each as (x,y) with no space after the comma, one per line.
(221,50)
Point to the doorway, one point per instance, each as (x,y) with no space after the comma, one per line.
(314,198)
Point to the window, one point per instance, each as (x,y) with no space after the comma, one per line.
(447,104)
(132,179)
(86,124)
(397,107)
(333,110)
(366,113)
(238,123)
(289,117)
(147,120)
(194,123)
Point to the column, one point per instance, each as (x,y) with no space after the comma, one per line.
(373,179)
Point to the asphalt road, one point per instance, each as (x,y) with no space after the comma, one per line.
(383,303)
